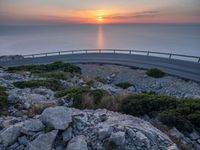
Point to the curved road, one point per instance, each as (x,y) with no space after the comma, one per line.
(184,69)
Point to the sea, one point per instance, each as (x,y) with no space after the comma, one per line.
(170,38)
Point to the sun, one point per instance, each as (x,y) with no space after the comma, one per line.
(100,19)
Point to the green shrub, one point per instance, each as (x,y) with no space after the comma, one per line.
(194,118)
(184,114)
(101,80)
(71,92)
(124,85)
(78,95)
(97,95)
(141,104)
(156,73)
(55,75)
(3,97)
(56,66)
(192,105)
(54,85)
(173,118)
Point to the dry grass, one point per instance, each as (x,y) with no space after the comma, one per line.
(38,108)
(87,102)
(89,81)
(112,103)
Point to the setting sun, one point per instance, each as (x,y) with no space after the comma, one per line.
(100,19)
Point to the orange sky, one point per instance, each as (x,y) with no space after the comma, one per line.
(95,11)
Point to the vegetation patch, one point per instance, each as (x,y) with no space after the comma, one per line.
(101,80)
(54,85)
(83,97)
(49,70)
(124,85)
(55,75)
(3,99)
(182,113)
(155,73)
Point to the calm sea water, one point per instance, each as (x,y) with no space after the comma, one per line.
(184,39)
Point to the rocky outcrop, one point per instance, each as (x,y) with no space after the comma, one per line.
(84,130)
(28,96)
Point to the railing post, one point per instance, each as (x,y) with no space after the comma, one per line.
(147,53)
(58,53)
(99,51)
(170,56)
(46,54)
(114,51)
(199,60)
(130,52)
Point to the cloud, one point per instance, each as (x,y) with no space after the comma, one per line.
(144,14)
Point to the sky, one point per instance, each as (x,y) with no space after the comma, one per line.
(98,11)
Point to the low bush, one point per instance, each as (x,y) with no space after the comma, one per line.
(56,66)
(194,118)
(55,75)
(101,80)
(156,73)
(54,85)
(83,96)
(141,104)
(173,118)
(3,98)
(75,93)
(124,85)
(184,114)
(97,95)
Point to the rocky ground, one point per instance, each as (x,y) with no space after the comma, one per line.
(168,85)
(38,120)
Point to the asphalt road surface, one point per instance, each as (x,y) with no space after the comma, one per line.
(181,68)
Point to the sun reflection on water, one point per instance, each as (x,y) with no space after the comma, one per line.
(100,37)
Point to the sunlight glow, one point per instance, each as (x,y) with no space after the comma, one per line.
(100,19)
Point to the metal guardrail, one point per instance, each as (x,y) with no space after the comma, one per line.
(136,52)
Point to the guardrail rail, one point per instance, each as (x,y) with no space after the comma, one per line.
(114,51)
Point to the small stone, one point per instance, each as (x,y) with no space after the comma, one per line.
(131,133)
(105,132)
(198,141)
(118,138)
(142,138)
(194,136)
(14,146)
(43,141)
(23,140)
(32,125)
(77,143)
(67,135)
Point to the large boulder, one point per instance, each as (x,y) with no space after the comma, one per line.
(32,125)
(77,143)
(57,117)
(43,141)
(9,135)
